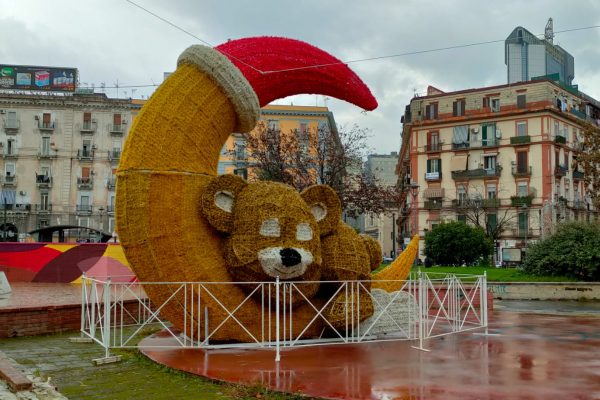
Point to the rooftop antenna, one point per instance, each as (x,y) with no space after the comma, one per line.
(102,87)
(549,31)
(117,87)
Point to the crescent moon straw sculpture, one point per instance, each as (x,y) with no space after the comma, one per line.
(171,156)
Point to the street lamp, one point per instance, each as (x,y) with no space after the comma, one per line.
(393,235)
(414,190)
(525,211)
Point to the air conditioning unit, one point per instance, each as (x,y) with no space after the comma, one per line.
(475,130)
(2,111)
(94,120)
(124,122)
(23,193)
(93,147)
(498,134)
(37,117)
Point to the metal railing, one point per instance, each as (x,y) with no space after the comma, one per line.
(115,314)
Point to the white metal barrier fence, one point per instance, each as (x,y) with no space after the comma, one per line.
(118,314)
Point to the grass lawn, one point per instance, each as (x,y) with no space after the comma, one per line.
(496,274)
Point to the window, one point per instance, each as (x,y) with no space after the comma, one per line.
(522,189)
(488,134)
(10,146)
(85,174)
(461,194)
(458,108)
(86,149)
(44,201)
(491,223)
(522,167)
(461,218)
(116,149)
(273,125)
(434,168)
(117,121)
(522,128)
(491,191)
(11,120)
(433,141)
(556,128)
(523,223)
(489,163)
(87,117)
(45,146)
(460,137)
(10,169)
(46,120)
(521,101)
(431,111)
(495,103)
(111,224)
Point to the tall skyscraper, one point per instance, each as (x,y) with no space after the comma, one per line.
(527,56)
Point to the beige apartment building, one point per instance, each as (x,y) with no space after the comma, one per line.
(59,157)
(510,151)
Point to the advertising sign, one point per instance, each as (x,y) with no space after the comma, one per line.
(21,77)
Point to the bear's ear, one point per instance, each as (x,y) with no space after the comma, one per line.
(218,200)
(325,205)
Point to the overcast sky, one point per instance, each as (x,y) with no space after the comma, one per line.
(112,40)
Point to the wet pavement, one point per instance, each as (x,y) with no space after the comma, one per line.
(526,356)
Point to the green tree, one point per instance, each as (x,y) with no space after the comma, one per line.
(456,243)
(573,251)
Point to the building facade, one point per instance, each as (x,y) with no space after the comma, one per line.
(527,57)
(59,158)
(506,152)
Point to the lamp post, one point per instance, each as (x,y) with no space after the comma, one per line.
(525,211)
(393,235)
(414,190)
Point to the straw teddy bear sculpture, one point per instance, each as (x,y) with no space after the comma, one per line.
(273,231)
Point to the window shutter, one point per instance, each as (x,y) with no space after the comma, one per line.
(486,102)
(440,166)
(428,165)
(427,111)
(521,101)
(435,110)
(455,108)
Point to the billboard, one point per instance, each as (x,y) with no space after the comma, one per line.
(52,79)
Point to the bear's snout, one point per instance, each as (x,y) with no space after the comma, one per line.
(289,257)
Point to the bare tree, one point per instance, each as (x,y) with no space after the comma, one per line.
(330,157)
(589,160)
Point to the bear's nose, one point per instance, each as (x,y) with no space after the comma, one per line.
(289,257)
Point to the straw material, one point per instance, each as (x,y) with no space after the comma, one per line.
(393,276)
(266,54)
(374,250)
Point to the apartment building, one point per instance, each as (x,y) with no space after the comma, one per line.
(59,158)
(509,150)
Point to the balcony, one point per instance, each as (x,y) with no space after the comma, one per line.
(85,155)
(433,147)
(12,126)
(477,173)
(46,154)
(578,175)
(46,126)
(460,203)
(22,207)
(43,181)
(12,153)
(43,208)
(111,183)
(85,182)
(520,139)
(460,146)
(560,170)
(577,204)
(116,129)
(114,155)
(83,209)
(88,127)
(523,233)
(520,171)
(558,139)
(520,201)
(475,144)
(10,181)
(433,204)
(490,203)
(433,176)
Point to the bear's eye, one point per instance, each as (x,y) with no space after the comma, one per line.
(304,232)
(270,228)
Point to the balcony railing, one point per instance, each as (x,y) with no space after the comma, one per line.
(85,154)
(46,126)
(116,129)
(12,126)
(519,201)
(483,143)
(88,127)
(9,180)
(460,146)
(43,181)
(111,183)
(491,203)
(43,208)
(85,182)
(520,139)
(83,208)
(46,154)
(432,204)
(114,155)
(560,170)
(433,147)
(477,173)
(560,139)
(577,204)
(578,175)
(433,176)
(521,170)
(523,233)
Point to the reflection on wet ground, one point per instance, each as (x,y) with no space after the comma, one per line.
(526,356)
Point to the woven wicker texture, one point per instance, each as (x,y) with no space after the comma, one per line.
(333,78)
(374,250)
(392,277)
